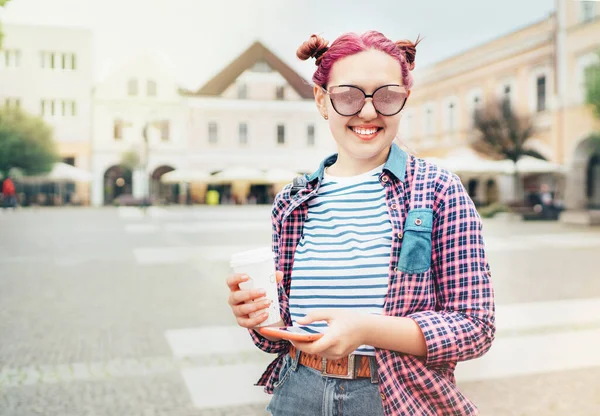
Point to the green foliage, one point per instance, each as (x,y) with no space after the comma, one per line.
(592,87)
(131,160)
(25,143)
(2,4)
(491,210)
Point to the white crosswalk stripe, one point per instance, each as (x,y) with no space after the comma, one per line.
(518,350)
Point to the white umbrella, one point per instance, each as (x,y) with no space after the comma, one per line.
(184,175)
(280,175)
(239,174)
(61,172)
(528,164)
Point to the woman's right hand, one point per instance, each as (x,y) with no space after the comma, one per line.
(238,298)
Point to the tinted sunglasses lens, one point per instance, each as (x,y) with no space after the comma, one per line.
(389,100)
(347,100)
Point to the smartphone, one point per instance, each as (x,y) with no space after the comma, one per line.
(292,333)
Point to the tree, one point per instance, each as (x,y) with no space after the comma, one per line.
(25,143)
(503,134)
(592,86)
(2,4)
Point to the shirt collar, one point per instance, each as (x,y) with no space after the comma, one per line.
(395,164)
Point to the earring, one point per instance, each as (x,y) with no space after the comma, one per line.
(325,117)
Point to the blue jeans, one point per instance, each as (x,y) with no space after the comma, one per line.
(303,391)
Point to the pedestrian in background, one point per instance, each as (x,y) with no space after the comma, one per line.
(9,195)
(380,250)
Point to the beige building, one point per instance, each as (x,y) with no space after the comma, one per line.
(256,113)
(539,70)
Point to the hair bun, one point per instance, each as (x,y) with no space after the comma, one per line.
(314,47)
(410,51)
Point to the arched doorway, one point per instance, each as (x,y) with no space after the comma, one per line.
(491,192)
(162,192)
(472,186)
(583,182)
(593,182)
(117,182)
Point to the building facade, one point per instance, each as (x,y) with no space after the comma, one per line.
(540,70)
(138,113)
(48,71)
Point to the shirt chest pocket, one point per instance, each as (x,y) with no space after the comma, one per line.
(415,254)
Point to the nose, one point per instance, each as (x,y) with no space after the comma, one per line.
(368,111)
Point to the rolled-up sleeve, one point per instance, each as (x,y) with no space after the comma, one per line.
(275,347)
(463,325)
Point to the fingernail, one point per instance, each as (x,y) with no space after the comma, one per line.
(262,292)
(244,278)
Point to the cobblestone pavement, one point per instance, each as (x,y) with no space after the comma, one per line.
(109,312)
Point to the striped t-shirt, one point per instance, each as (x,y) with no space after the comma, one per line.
(342,259)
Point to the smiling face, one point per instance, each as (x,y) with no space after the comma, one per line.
(364,139)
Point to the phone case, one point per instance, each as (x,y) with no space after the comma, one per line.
(289,333)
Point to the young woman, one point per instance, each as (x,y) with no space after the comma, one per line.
(379,249)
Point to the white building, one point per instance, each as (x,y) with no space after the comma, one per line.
(142,94)
(48,71)
(256,113)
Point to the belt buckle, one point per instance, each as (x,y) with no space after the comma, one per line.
(351,369)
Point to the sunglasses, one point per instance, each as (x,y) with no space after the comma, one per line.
(349,100)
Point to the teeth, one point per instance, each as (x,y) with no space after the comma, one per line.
(365,132)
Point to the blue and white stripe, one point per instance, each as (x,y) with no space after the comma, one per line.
(342,259)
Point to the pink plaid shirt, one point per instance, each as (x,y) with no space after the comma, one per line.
(441,280)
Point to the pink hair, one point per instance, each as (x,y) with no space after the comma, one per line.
(353,43)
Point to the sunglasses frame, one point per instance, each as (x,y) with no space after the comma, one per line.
(365,99)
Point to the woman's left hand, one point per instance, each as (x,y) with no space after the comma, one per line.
(343,336)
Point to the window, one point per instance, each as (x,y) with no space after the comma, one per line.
(163,127)
(506,96)
(212,132)
(132,87)
(476,105)
(428,125)
(451,116)
(242,91)
(55,60)
(48,108)
(118,126)
(12,103)
(151,88)
(280,134)
(12,58)
(588,11)
(541,93)
(68,108)
(47,60)
(280,93)
(68,61)
(243,133)
(310,135)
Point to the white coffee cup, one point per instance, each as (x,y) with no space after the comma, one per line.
(259,265)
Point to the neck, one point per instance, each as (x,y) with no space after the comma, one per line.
(346,165)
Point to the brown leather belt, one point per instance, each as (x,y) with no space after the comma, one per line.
(350,367)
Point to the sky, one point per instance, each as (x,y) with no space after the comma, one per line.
(198,38)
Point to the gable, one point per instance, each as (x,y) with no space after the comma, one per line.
(259,59)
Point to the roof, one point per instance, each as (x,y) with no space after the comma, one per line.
(255,53)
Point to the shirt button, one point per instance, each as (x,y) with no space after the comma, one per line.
(394,207)
(396,269)
(384,179)
(418,221)
(382,396)
(399,235)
